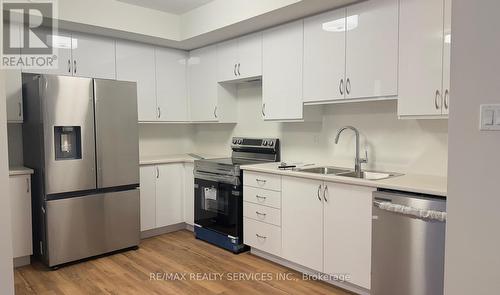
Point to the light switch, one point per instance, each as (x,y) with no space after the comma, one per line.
(490,117)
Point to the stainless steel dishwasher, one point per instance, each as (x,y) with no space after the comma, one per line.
(408,239)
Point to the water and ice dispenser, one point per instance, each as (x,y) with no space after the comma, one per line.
(68,142)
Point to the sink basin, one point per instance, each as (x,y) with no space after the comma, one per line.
(369,175)
(324,170)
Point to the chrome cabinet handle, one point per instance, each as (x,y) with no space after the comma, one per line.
(215,112)
(437,100)
(159,112)
(446,99)
(239,74)
(348,86)
(260,197)
(157,172)
(74,66)
(20,107)
(234,70)
(260,237)
(260,213)
(319,190)
(264,109)
(325,193)
(341,86)
(261,181)
(69,66)
(27,185)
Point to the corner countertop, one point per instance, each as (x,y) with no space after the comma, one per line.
(415,183)
(20,170)
(175,158)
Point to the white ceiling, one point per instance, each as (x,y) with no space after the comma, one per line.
(170,6)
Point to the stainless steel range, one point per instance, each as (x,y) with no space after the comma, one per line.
(219,191)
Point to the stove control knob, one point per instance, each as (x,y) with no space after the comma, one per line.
(240,141)
(235,141)
(264,143)
(271,143)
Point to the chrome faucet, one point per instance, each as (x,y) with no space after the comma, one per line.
(358,160)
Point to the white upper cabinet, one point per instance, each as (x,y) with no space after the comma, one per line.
(227,60)
(61,43)
(282,72)
(250,56)
(347,231)
(136,62)
(240,59)
(372,49)
(14,96)
(324,56)
(209,101)
(93,56)
(446,57)
(171,87)
(202,67)
(302,222)
(422,68)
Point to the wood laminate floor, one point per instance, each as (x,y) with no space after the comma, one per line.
(176,254)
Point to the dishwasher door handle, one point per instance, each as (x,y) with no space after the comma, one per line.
(411,211)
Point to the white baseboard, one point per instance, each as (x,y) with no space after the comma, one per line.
(166,229)
(344,285)
(22,261)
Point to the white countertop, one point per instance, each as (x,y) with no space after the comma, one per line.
(176,158)
(424,184)
(20,170)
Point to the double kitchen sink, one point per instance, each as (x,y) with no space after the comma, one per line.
(368,175)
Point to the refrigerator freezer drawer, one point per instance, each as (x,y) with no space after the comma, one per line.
(83,227)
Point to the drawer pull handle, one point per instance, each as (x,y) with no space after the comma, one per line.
(261,180)
(260,197)
(260,237)
(260,214)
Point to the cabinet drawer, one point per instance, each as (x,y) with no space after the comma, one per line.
(262,236)
(262,180)
(262,213)
(262,197)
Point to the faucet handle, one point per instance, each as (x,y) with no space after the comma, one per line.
(365,160)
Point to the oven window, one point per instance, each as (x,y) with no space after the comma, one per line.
(218,206)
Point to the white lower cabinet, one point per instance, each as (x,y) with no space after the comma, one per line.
(347,231)
(325,226)
(166,194)
(302,226)
(20,203)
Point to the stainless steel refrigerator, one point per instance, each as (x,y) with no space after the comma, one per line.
(80,135)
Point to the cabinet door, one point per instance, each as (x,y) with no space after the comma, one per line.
(148,176)
(324,56)
(171,87)
(227,61)
(169,195)
(14,96)
(282,72)
(20,202)
(302,222)
(420,57)
(372,49)
(250,56)
(347,231)
(93,56)
(446,57)
(136,62)
(61,44)
(202,71)
(188,194)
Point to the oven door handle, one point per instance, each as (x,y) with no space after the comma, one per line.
(234,180)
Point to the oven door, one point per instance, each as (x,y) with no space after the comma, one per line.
(218,206)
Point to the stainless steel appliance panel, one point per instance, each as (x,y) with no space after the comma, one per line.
(68,101)
(117,138)
(83,227)
(407,251)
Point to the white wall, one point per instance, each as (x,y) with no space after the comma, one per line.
(416,146)
(165,139)
(15,143)
(473,242)
(6,263)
